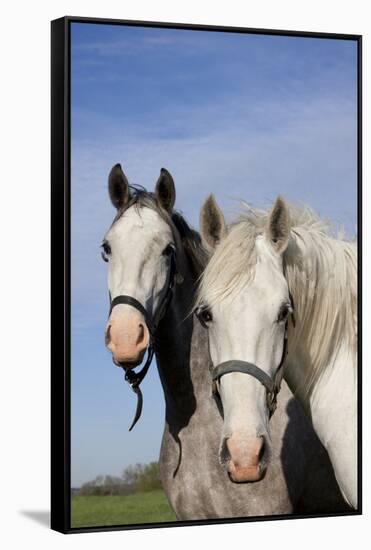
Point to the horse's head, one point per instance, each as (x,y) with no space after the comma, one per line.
(139,249)
(244,302)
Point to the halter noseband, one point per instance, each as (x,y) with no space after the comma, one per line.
(135,378)
(272,385)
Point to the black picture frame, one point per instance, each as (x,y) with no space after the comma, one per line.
(61,266)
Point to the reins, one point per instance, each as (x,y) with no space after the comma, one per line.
(133,378)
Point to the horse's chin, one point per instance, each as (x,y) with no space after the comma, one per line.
(130,364)
(246,475)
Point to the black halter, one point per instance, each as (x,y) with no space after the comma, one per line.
(132,377)
(272,385)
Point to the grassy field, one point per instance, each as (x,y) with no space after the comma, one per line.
(120,510)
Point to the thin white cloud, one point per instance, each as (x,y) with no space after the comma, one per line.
(306,152)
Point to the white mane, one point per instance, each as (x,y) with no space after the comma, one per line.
(321,272)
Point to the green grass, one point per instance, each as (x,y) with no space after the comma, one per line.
(94,511)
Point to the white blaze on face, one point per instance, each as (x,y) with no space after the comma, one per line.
(138,268)
(245,327)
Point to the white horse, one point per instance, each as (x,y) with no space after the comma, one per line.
(264,267)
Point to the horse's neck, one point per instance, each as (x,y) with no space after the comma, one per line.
(182,353)
(332,408)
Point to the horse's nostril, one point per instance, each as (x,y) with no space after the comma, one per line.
(224,454)
(140,337)
(107,336)
(262,449)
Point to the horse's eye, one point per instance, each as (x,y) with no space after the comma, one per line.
(204,316)
(168,250)
(106,251)
(284,312)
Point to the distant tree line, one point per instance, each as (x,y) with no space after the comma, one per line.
(137,478)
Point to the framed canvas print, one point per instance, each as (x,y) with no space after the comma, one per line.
(206,224)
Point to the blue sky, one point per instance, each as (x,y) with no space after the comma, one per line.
(242,116)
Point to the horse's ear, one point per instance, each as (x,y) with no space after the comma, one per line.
(212,223)
(165,190)
(118,187)
(278,226)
